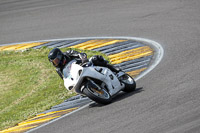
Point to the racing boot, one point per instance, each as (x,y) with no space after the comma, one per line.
(113,68)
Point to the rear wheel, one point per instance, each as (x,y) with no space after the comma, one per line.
(130,84)
(96,93)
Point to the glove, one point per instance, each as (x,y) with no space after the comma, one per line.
(83,57)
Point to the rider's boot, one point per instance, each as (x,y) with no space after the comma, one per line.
(98,60)
(113,68)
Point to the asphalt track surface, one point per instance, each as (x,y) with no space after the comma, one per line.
(170,98)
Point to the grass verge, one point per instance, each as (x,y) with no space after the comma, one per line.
(29,85)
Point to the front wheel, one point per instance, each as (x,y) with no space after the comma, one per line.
(130,84)
(96,93)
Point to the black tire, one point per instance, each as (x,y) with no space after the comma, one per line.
(130,84)
(102,97)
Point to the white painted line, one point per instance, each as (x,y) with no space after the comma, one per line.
(43,125)
(158,55)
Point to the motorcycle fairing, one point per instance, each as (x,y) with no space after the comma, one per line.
(76,74)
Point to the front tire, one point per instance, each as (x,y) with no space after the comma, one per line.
(96,93)
(130,84)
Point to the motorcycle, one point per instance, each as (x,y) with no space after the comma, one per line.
(98,83)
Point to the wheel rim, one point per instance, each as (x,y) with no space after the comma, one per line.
(100,93)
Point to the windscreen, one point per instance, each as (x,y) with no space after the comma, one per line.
(67,69)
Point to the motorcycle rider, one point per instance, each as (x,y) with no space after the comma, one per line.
(60,59)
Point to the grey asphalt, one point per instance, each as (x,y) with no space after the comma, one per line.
(170,98)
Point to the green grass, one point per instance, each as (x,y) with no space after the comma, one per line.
(29,85)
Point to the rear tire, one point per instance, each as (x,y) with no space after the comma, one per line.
(130,84)
(92,91)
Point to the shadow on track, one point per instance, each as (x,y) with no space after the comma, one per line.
(119,97)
